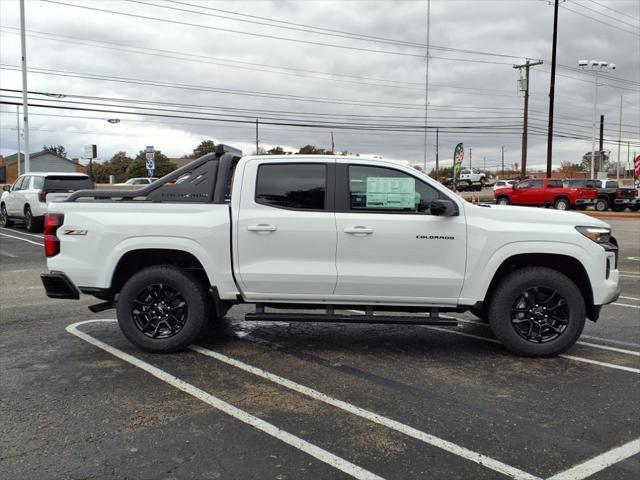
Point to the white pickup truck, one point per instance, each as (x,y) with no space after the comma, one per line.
(331,234)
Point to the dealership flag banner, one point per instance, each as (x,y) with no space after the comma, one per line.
(636,164)
(458,157)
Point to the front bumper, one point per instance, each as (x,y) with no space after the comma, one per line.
(627,202)
(58,285)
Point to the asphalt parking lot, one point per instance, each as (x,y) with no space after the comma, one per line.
(310,401)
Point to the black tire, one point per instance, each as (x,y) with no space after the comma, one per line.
(503,201)
(31,223)
(634,208)
(602,205)
(514,330)
(170,334)
(562,203)
(4,217)
(617,208)
(481,313)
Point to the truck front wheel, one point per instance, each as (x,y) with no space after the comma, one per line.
(503,201)
(162,308)
(562,204)
(537,312)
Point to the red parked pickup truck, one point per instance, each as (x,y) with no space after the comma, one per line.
(546,192)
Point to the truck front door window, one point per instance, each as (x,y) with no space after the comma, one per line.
(382,189)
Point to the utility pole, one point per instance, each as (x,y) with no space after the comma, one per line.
(502,148)
(18,128)
(470,150)
(619,140)
(524,87)
(601,145)
(426,85)
(23,46)
(552,88)
(257,141)
(437,152)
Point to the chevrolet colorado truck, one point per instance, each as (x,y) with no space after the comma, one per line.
(546,192)
(610,194)
(329,234)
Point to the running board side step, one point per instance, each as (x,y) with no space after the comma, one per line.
(329,318)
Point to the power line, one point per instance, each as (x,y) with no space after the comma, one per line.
(637,19)
(600,21)
(603,14)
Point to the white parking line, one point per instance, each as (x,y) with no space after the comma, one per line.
(20,238)
(596,464)
(625,305)
(579,342)
(371,416)
(259,424)
(21,233)
(627,275)
(611,340)
(7,254)
(629,298)
(636,259)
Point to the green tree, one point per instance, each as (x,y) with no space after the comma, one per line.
(311,150)
(138,167)
(206,146)
(276,151)
(57,149)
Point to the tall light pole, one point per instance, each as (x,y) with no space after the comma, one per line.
(619,140)
(524,87)
(426,85)
(23,46)
(18,128)
(596,66)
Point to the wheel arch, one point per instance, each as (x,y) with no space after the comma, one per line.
(136,259)
(565,264)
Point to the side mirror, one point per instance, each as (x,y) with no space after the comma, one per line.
(6,188)
(443,208)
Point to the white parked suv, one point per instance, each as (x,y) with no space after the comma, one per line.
(27,198)
(331,234)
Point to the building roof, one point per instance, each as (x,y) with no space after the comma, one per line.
(14,158)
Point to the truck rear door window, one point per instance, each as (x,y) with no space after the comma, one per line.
(300,186)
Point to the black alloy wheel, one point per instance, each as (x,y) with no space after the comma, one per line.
(540,314)
(159,311)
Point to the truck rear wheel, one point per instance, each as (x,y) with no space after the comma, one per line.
(537,312)
(162,308)
(602,205)
(561,204)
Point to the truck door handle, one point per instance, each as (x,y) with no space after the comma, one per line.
(262,227)
(358,230)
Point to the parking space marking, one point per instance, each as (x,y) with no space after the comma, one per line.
(627,275)
(20,238)
(319,453)
(625,305)
(611,340)
(427,438)
(579,342)
(7,254)
(629,298)
(21,233)
(563,355)
(600,462)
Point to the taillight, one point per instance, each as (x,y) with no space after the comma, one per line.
(52,221)
(618,193)
(42,196)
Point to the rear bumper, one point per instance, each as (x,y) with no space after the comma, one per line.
(626,201)
(58,285)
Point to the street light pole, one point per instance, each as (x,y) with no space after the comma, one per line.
(426,86)
(552,89)
(619,140)
(18,128)
(593,126)
(23,46)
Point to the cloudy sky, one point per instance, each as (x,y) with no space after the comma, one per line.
(207,69)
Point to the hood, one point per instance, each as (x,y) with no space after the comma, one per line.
(547,216)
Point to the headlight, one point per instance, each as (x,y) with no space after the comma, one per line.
(597,234)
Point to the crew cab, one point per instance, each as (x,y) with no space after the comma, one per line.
(610,194)
(546,192)
(27,198)
(330,234)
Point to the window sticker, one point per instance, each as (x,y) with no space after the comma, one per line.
(391,192)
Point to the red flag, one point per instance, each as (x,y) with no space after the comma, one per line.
(637,166)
